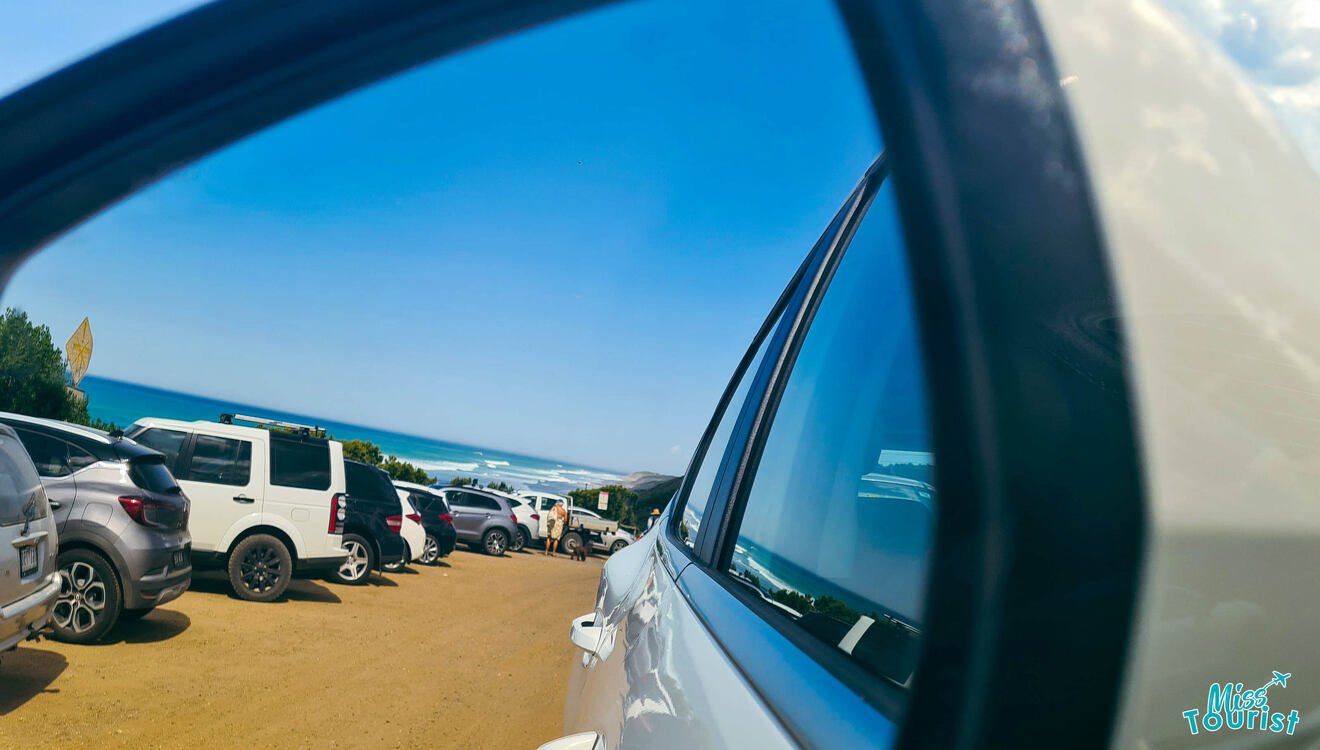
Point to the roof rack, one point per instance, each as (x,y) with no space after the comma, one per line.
(301,429)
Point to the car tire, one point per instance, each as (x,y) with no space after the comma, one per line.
(618,545)
(90,599)
(520,539)
(356,569)
(570,542)
(495,542)
(395,567)
(260,568)
(430,551)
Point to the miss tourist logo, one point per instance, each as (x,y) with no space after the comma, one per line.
(1229,706)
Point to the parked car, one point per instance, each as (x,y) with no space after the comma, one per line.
(541,503)
(31,580)
(437,521)
(482,520)
(527,518)
(265,505)
(607,540)
(124,547)
(414,536)
(372,526)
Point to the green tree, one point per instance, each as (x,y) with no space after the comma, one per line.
(463,482)
(622,505)
(404,471)
(32,372)
(366,452)
(501,486)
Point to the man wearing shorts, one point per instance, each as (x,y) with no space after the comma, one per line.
(555,527)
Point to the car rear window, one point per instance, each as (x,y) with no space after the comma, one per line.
(20,487)
(366,483)
(301,464)
(149,473)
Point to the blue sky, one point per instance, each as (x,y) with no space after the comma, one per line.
(558,244)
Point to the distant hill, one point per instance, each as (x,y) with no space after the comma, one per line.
(644,480)
(656,496)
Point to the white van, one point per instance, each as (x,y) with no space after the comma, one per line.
(266,505)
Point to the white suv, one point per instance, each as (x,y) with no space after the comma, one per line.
(266,505)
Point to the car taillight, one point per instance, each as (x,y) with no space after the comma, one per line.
(447,518)
(338,510)
(415,518)
(536,516)
(136,508)
(395,523)
(514,519)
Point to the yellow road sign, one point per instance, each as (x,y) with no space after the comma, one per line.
(79,350)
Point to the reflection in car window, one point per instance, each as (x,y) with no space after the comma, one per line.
(169,442)
(20,487)
(50,455)
(220,461)
(837,525)
(695,507)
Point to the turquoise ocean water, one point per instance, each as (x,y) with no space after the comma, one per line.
(122,403)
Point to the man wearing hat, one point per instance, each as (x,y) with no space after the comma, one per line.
(655,516)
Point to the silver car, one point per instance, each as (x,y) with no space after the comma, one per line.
(122,520)
(29,580)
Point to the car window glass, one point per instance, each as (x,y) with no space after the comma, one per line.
(835,534)
(699,495)
(169,442)
(295,463)
(20,487)
(79,458)
(49,454)
(220,460)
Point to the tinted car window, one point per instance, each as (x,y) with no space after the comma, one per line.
(836,529)
(20,487)
(473,500)
(219,460)
(699,495)
(169,442)
(149,473)
(366,483)
(295,463)
(49,454)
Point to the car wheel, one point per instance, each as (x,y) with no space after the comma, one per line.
(570,542)
(395,567)
(430,550)
(359,563)
(618,545)
(89,601)
(495,542)
(519,540)
(260,568)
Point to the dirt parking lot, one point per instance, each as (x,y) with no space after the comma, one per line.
(471,655)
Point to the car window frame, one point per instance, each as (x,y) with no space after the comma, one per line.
(186,457)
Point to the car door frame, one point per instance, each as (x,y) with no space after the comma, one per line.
(1002,238)
(219,539)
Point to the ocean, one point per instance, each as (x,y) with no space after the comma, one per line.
(123,403)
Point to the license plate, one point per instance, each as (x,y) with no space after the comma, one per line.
(180,559)
(27,560)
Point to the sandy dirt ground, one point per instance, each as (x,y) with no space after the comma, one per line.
(471,655)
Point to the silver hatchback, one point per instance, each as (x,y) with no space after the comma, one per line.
(29,581)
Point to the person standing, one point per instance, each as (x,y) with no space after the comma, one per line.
(655,516)
(555,526)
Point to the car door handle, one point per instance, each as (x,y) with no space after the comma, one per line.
(55,504)
(243,499)
(580,741)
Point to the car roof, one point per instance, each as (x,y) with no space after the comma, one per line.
(413,486)
(203,425)
(90,433)
(97,442)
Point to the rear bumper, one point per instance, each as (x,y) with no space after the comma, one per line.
(22,617)
(161,580)
(314,567)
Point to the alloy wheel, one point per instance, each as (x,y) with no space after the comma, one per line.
(496,543)
(81,600)
(355,565)
(260,569)
(430,550)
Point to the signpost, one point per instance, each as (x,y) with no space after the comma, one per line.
(604,502)
(79,351)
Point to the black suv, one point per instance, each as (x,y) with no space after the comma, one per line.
(437,521)
(371,526)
